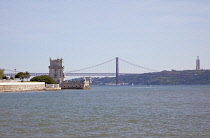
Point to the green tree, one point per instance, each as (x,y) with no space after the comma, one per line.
(44,78)
(23,75)
(27,75)
(11,78)
(1,73)
(5,78)
(20,75)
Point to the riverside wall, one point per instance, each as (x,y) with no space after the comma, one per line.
(21,86)
(76,84)
(9,81)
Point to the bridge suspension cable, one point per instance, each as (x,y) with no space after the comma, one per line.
(90,66)
(10,70)
(74,71)
(137,65)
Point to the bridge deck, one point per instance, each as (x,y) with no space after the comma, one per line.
(75,74)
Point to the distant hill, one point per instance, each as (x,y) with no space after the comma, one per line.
(174,77)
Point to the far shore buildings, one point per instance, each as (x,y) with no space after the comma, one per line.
(56,71)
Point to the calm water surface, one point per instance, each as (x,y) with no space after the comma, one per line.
(107,111)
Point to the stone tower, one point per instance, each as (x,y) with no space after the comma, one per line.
(56,69)
(198,63)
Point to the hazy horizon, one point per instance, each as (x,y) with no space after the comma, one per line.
(160,35)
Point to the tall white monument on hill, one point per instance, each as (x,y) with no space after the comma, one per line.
(56,70)
(197,63)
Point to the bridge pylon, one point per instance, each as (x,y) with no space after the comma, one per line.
(117,71)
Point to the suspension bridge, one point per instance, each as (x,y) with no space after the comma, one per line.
(86,71)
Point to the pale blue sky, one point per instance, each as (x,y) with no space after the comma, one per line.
(157,34)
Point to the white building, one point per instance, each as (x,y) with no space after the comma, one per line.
(197,63)
(56,70)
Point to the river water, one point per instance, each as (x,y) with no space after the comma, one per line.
(107,111)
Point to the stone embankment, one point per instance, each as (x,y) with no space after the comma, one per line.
(52,87)
(17,86)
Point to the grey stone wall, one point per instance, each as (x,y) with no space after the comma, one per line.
(9,81)
(24,86)
(83,84)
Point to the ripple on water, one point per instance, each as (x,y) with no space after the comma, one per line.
(160,111)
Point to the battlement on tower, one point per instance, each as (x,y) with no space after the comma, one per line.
(57,63)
